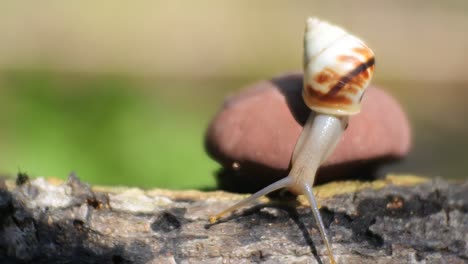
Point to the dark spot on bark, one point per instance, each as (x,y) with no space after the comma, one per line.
(22,178)
(461,198)
(420,256)
(185,200)
(117,259)
(94,203)
(457,246)
(98,200)
(258,256)
(358,224)
(422,251)
(78,224)
(165,222)
(327,216)
(374,239)
(397,207)
(6,207)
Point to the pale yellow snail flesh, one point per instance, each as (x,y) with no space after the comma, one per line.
(338,68)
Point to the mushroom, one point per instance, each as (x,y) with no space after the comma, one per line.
(254,133)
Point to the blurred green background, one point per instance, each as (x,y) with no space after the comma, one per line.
(121,91)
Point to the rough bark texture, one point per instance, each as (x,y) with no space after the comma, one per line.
(43,222)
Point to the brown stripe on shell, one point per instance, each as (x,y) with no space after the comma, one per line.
(329,76)
(324,100)
(356,77)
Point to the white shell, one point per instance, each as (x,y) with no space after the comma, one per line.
(338,67)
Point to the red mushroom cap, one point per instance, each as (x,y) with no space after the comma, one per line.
(254,134)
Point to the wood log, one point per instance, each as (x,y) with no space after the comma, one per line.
(396,220)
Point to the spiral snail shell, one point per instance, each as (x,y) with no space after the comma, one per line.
(338,67)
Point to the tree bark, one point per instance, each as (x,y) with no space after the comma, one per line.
(70,222)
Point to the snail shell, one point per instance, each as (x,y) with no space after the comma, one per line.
(338,67)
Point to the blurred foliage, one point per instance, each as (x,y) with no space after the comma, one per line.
(107,128)
(175,61)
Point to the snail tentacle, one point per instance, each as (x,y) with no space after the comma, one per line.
(284,182)
(318,220)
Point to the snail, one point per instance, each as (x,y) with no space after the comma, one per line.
(338,67)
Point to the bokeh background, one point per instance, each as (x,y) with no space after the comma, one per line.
(121,91)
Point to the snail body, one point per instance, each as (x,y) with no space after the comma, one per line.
(338,68)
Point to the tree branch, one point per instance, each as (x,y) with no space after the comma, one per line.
(71,222)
